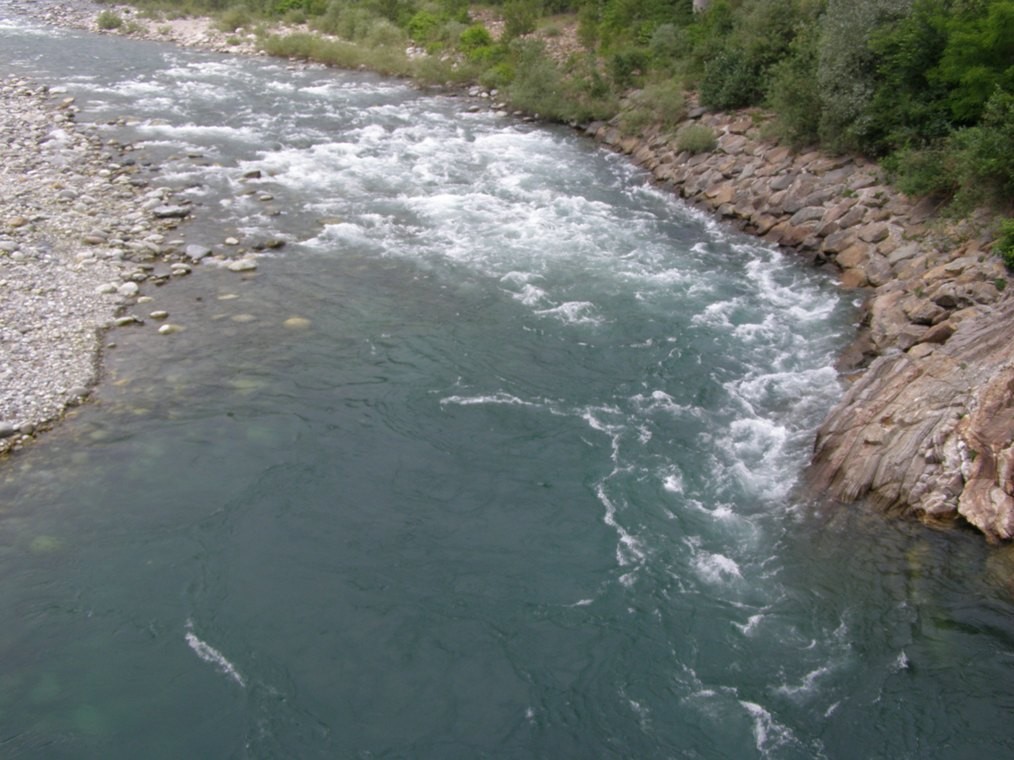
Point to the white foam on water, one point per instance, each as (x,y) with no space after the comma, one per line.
(199,132)
(500,399)
(211,655)
(769,734)
(751,624)
(807,686)
(23,27)
(716,568)
(573,313)
(672,479)
(660,401)
(901,662)
(629,550)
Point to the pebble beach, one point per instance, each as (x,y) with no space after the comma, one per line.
(81,229)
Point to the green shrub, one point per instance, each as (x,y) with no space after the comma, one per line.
(667,44)
(346,55)
(520,17)
(423,26)
(986,151)
(627,66)
(383,33)
(696,138)
(731,80)
(847,68)
(660,103)
(234,17)
(537,86)
(1004,245)
(109,20)
(345,19)
(497,77)
(794,94)
(926,171)
(474,37)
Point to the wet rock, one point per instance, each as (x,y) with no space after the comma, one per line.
(170,212)
(196,252)
(128,289)
(242,265)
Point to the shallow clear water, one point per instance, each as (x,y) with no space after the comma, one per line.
(521,486)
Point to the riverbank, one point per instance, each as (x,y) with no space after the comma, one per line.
(924,428)
(84,229)
(73,241)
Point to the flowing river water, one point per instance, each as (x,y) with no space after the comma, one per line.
(521,485)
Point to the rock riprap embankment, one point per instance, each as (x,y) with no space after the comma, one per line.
(82,230)
(926,425)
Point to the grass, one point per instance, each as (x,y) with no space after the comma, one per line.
(696,138)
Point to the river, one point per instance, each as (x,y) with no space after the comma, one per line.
(496,458)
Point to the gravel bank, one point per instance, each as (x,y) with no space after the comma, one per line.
(80,229)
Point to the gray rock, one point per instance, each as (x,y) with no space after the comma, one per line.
(196,252)
(242,265)
(170,212)
(128,289)
(7,430)
(942,419)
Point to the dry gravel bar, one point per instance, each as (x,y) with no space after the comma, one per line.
(77,235)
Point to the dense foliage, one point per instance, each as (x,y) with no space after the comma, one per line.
(925,85)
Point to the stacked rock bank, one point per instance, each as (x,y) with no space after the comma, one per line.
(926,425)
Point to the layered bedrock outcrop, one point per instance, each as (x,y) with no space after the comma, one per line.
(928,431)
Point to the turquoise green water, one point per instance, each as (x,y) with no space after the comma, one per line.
(520,486)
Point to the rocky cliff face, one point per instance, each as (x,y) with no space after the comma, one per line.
(926,425)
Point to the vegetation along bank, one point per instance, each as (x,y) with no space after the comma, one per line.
(872,135)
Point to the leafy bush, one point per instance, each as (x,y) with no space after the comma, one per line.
(346,55)
(668,42)
(384,33)
(627,66)
(109,20)
(985,153)
(731,80)
(537,86)
(660,103)
(234,17)
(793,91)
(1004,245)
(696,138)
(476,36)
(349,20)
(923,171)
(423,26)
(497,77)
(979,57)
(520,17)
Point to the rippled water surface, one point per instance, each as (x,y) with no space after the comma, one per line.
(516,482)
